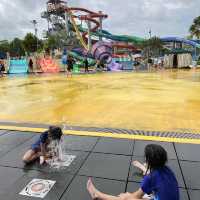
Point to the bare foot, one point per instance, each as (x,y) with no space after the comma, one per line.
(140,166)
(91,189)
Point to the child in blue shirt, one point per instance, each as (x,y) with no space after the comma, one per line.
(159,181)
(40,148)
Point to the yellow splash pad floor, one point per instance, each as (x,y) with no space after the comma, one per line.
(162,101)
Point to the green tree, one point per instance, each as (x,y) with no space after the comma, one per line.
(195,28)
(152,47)
(56,40)
(17,48)
(51,42)
(32,43)
(4,46)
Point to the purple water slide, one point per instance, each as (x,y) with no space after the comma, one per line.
(102,51)
(113,66)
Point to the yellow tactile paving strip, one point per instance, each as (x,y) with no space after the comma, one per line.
(104,134)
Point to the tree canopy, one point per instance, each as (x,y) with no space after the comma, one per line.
(19,47)
(195,28)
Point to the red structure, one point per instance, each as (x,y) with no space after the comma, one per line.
(48,65)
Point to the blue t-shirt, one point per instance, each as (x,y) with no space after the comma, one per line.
(64,60)
(162,183)
(41,140)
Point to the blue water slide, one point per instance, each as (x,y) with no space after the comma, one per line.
(193,43)
(18,66)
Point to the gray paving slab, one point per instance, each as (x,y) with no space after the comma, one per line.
(140,146)
(5,148)
(194,194)
(62,182)
(188,152)
(77,189)
(114,146)
(30,141)
(106,166)
(8,176)
(133,186)
(14,159)
(18,124)
(15,138)
(191,174)
(136,175)
(79,143)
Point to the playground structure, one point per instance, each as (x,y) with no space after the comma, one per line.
(93,39)
(97,43)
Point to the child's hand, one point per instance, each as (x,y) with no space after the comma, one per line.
(42,160)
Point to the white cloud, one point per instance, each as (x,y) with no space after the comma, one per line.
(164,17)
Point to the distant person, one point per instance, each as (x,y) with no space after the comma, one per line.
(149,63)
(40,148)
(2,68)
(70,63)
(99,65)
(30,65)
(86,65)
(159,181)
(64,62)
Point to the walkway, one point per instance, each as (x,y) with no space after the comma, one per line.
(106,160)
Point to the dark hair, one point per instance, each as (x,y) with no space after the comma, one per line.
(55,132)
(156,156)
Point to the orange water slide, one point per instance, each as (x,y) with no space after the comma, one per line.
(89,16)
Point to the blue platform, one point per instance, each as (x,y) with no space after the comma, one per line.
(18,66)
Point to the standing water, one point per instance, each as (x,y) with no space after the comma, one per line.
(162,101)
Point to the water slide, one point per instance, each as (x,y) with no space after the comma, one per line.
(115,67)
(100,50)
(78,34)
(193,43)
(48,65)
(18,66)
(118,38)
(81,58)
(92,17)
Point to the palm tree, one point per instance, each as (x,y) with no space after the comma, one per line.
(195,28)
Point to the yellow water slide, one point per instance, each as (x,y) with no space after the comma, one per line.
(78,34)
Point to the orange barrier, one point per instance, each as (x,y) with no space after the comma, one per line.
(48,65)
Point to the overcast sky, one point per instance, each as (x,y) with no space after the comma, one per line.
(131,17)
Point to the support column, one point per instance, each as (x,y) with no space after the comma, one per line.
(195,52)
(67,23)
(174,45)
(181,45)
(101,25)
(89,36)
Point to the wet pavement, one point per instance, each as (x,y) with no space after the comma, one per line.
(106,160)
